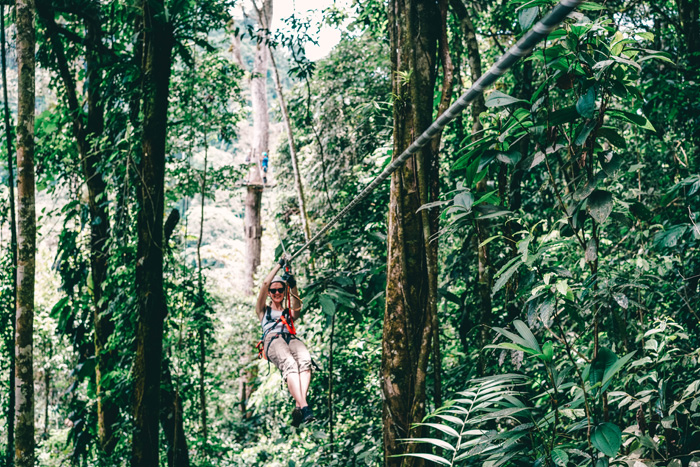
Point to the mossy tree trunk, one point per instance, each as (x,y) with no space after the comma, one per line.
(13,244)
(414,27)
(26,244)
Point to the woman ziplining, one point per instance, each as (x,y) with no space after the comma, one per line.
(279,343)
(298,389)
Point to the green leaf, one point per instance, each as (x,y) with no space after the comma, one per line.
(499,99)
(511,157)
(604,360)
(586,103)
(639,120)
(560,457)
(607,438)
(565,115)
(611,164)
(465,200)
(444,428)
(611,371)
(548,351)
(327,304)
(669,238)
(584,132)
(590,6)
(527,17)
(600,204)
(434,441)
(506,274)
(612,136)
(525,332)
(430,457)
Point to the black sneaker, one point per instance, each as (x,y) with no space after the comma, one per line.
(297,417)
(307,414)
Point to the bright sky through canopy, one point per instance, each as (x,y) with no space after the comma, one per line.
(327,37)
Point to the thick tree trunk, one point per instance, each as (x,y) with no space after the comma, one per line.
(261,139)
(414,27)
(26,245)
(13,243)
(157,48)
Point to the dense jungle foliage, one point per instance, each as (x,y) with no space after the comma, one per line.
(562,211)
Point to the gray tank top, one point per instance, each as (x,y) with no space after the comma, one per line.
(270,317)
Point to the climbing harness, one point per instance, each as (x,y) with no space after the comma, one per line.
(522,48)
(288,322)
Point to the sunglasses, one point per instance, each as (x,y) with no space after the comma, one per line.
(276,290)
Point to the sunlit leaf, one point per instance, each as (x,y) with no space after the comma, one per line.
(499,99)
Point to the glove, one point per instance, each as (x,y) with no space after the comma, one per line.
(282,261)
(291,281)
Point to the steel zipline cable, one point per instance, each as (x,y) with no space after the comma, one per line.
(522,48)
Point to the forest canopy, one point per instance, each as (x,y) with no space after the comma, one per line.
(519,289)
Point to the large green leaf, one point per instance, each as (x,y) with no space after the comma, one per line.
(560,457)
(586,103)
(669,238)
(600,204)
(605,359)
(499,99)
(612,136)
(527,16)
(327,304)
(607,438)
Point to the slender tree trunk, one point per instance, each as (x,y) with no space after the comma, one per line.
(485,271)
(261,138)
(202,316)
(87,133)
(330,385)
(26,245)
(414,27)
(474,57)
(107,412)
(13,241)
(157,48)
(292,153)
(47,391)
(431,220)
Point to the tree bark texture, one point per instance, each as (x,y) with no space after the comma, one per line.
(156,67)
(26,244)
(13,243)
(414,27)
(87,130)
(261,140)
(171,421)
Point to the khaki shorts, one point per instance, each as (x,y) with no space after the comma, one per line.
(289,358)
